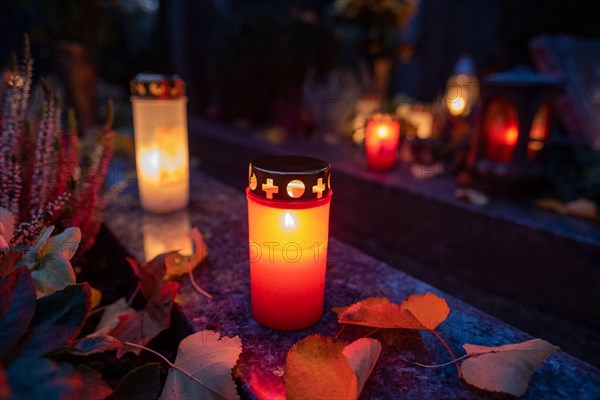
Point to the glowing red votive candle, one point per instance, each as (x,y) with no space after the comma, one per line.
(382,135)
(288,227)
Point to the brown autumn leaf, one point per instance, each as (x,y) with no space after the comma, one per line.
(178,264)
(96,297)
(471,196)
(140,327)
(320,367)
(506,369)
(554,205)
(583,208)
(203,368)
(362,355)
(418,311)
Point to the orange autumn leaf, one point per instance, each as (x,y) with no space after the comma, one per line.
(506,369)
(319,367)
(419,312)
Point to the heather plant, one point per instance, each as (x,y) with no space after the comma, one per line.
(45,178)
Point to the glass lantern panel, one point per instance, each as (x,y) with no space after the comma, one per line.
(500,130)
(539,131)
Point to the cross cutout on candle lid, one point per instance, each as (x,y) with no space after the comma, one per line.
(319,188)
(269,188)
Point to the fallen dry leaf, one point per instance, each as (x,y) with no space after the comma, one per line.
(582,208)
(362,355)
(506,369)
(319,367)
(420,312)
(207,360)
(178,264)
(96,297)
(551,205)
(471,196)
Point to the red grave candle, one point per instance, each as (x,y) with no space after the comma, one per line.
(288,226)
(382,135)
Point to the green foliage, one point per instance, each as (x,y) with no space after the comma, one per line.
(140,384)
(17,296)
(48,260)
(58,320)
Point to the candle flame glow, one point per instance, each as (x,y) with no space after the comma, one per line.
(457,106)
(288,220)
(511,136)
(382,132)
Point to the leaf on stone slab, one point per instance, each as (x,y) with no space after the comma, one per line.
(178,264)
(554,205)
(583,208)
(58,320)
(362,355)
(315,368)
(137,327)
(471,196)
(200,249)
(17,307)
(140,384)
(208,358)
(506,369)
(419,312)
(151,274)
(320,367)
(125,324)
(110,317)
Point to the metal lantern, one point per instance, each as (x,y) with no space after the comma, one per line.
(507,151)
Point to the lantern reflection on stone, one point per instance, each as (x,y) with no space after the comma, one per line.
(507,151)
(163,233)
(288,225)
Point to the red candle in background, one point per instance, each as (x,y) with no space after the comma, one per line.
(382,135)
(288,227)
(502,142)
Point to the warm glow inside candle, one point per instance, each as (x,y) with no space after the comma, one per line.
(162,154)
(288,252)
(382,136)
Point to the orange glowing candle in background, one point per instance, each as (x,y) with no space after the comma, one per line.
(288,227)
(382,135)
